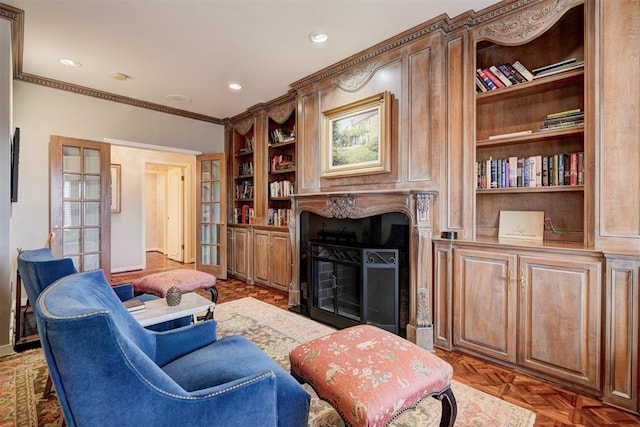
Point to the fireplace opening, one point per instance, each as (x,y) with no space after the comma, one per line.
(355,271)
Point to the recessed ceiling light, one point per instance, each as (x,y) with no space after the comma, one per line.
(235,86)
(70,62)
(119,76)
(318,37)
(180,99)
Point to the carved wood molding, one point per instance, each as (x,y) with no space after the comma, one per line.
(243,126)
(527,24)
(423,207)
(342,207)
(282,112)
(357,77)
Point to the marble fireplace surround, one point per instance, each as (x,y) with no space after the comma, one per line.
(416,205)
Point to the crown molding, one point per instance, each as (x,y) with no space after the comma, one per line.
(16,17)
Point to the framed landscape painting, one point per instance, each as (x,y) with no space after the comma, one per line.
(355,137)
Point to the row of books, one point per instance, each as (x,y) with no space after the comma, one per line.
(283,188)
(503,75)
(535,171)
(279,217)
(244,190)
(279,136)
(563,119)
(244,215)
(281,163)
(245,168)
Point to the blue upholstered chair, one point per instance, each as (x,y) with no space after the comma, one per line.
(99,357)
(39,268)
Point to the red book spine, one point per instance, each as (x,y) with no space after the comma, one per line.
(573,169)
(493,78)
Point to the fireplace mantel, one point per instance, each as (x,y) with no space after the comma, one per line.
(416,205)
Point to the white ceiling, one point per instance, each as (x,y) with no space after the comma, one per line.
(196,47)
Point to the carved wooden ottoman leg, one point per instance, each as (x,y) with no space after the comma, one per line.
(449,408)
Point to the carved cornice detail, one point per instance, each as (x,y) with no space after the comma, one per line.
(282,112)
(527,24)
(354,79)
(342,207)
(243,126)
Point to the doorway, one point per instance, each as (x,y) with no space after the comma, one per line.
(164,218)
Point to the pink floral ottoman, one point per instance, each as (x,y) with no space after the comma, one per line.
(185,280)
(370,375)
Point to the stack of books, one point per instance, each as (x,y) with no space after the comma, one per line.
(503,75)
(558,67)
(563,119)
(134,305)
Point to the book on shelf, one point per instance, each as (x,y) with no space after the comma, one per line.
(496,72)
(480,86)
(515,74)
(496,81)
(134,305)
(511,134)
(486,80)
(563,119)
(524,71)
(558,67)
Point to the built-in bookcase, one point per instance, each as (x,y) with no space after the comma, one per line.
(243,174)
(281,166)
(512,124)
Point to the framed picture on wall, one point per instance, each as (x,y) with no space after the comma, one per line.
(356,137)
(115,187)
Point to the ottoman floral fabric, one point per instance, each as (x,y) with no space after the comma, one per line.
(369,375)
(185,280)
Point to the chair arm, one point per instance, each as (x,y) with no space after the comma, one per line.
(177,342)
(124,291)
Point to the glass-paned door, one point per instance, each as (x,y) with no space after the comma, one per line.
(80,205)
(211,189)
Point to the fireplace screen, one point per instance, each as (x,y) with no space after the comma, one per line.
(353,285)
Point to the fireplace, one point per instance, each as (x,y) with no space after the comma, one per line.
(363,257)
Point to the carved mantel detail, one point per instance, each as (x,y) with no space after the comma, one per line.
(357,77)
(527,24)
(423,206)
(282,112)
(342,207)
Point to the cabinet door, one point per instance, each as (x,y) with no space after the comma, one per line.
(262,256)
(280,260)
(241,253)
(231,259)
(484,306)
(560,318)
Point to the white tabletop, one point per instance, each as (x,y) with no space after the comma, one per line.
(157,311)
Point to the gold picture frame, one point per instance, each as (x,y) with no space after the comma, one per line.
(356,137)
(115,186)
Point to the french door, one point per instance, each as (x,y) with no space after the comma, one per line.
(212,206)
(80,202)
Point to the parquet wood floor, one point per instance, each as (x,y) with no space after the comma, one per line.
(554,405)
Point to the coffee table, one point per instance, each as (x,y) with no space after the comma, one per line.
(157,311)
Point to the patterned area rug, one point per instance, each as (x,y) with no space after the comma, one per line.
(277,331)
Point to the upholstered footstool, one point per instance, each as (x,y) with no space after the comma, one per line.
(370,376)
(183,279)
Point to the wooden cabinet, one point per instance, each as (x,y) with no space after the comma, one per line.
(532,309)
(272,258)
(240,251)
(524,162)
(243,140)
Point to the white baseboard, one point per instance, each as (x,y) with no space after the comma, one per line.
(125,269)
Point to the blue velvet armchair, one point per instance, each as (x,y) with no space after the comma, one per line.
(108,370)
(39,268)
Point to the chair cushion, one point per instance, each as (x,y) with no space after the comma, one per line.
(234,357)
(185,280)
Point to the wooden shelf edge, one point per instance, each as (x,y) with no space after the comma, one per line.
(532,137)
(534,86)
(552,189)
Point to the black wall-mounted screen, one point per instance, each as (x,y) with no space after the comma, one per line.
(15,159)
